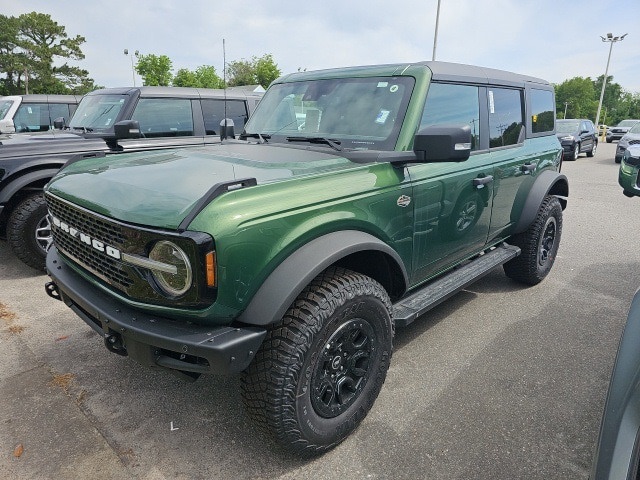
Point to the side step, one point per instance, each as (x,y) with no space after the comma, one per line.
(407,309)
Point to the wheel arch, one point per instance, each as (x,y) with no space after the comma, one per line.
(356,250)
(547,183)
(35,178)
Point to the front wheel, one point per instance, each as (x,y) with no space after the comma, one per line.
(592,152)
(29,231)
(539,244)
(576,152)
(322,366)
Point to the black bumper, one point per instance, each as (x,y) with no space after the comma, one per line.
(151,340)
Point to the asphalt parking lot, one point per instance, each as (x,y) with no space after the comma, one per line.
(500,382)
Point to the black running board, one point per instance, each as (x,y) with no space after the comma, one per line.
(407,309)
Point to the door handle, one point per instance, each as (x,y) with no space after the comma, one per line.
(528,167)
(482,181)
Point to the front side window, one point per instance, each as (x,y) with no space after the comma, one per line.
(505,117)
(449,104)
(164,117)
(97,112)
(214,112)
(542,111)
(357,113)
(32,117)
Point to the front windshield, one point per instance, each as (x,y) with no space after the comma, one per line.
(355,113)
(635,128)
(97,112)
(5,105)
(566,127)
(627,123)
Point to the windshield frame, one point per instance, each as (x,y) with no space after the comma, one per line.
(309,110)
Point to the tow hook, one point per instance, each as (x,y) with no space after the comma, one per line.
(114,344)
(52,290)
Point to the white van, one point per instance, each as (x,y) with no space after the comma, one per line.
(35,113)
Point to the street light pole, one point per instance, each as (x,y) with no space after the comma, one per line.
(611,39)
(435,35)
(133,69)
(566,104)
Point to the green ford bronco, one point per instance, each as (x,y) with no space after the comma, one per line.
(353,201)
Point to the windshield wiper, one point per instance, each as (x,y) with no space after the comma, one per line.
(335,144)
(262,138)
(84,129)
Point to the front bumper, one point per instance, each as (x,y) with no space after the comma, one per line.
(151,340)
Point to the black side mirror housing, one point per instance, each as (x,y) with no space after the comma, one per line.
(59,123)
(227,129)
(126,129)
(443,144)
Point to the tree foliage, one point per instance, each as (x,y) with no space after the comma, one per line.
(259,70)
(155,69)
(29,46)
(204,76)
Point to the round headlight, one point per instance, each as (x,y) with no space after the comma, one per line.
(175,275)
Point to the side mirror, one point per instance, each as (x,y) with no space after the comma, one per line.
(443,144)
(127,129)
(59,123)
(227,129)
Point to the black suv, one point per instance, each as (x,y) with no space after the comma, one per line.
(577,135)
(107,121)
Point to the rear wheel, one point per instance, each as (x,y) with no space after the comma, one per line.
(320,369)
(29,231)
(539,244)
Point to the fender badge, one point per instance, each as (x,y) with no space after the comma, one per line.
(403,201)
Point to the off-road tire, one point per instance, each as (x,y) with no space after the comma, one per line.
(340,325)
(28,219)
(539,244)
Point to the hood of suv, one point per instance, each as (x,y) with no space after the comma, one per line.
(160,188)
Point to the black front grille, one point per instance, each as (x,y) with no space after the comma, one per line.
(110,234)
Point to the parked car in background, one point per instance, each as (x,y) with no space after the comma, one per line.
(35,113)
(632,137)
(628,173)
(108,121)
(577,135)
(617,132)
(617,454)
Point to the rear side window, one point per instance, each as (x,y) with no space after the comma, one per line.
(505,117)
(542,111)
(164,117)
(449,104)
(214,113)
(58,110)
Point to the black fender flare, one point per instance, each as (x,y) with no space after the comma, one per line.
(545,182)
(285,283)
(23,180)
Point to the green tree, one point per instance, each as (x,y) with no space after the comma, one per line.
(204,76)
(29,46)
(266,70)
(579,95)
(155,69)
(259,70)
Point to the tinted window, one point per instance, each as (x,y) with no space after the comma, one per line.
(542,111)
(58,110)
(453,105)
(505,117)
(214,113)
(164,117)
(32,117)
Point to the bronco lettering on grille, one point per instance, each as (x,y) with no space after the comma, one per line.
(86,239)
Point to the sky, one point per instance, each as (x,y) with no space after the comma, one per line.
(552,39)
